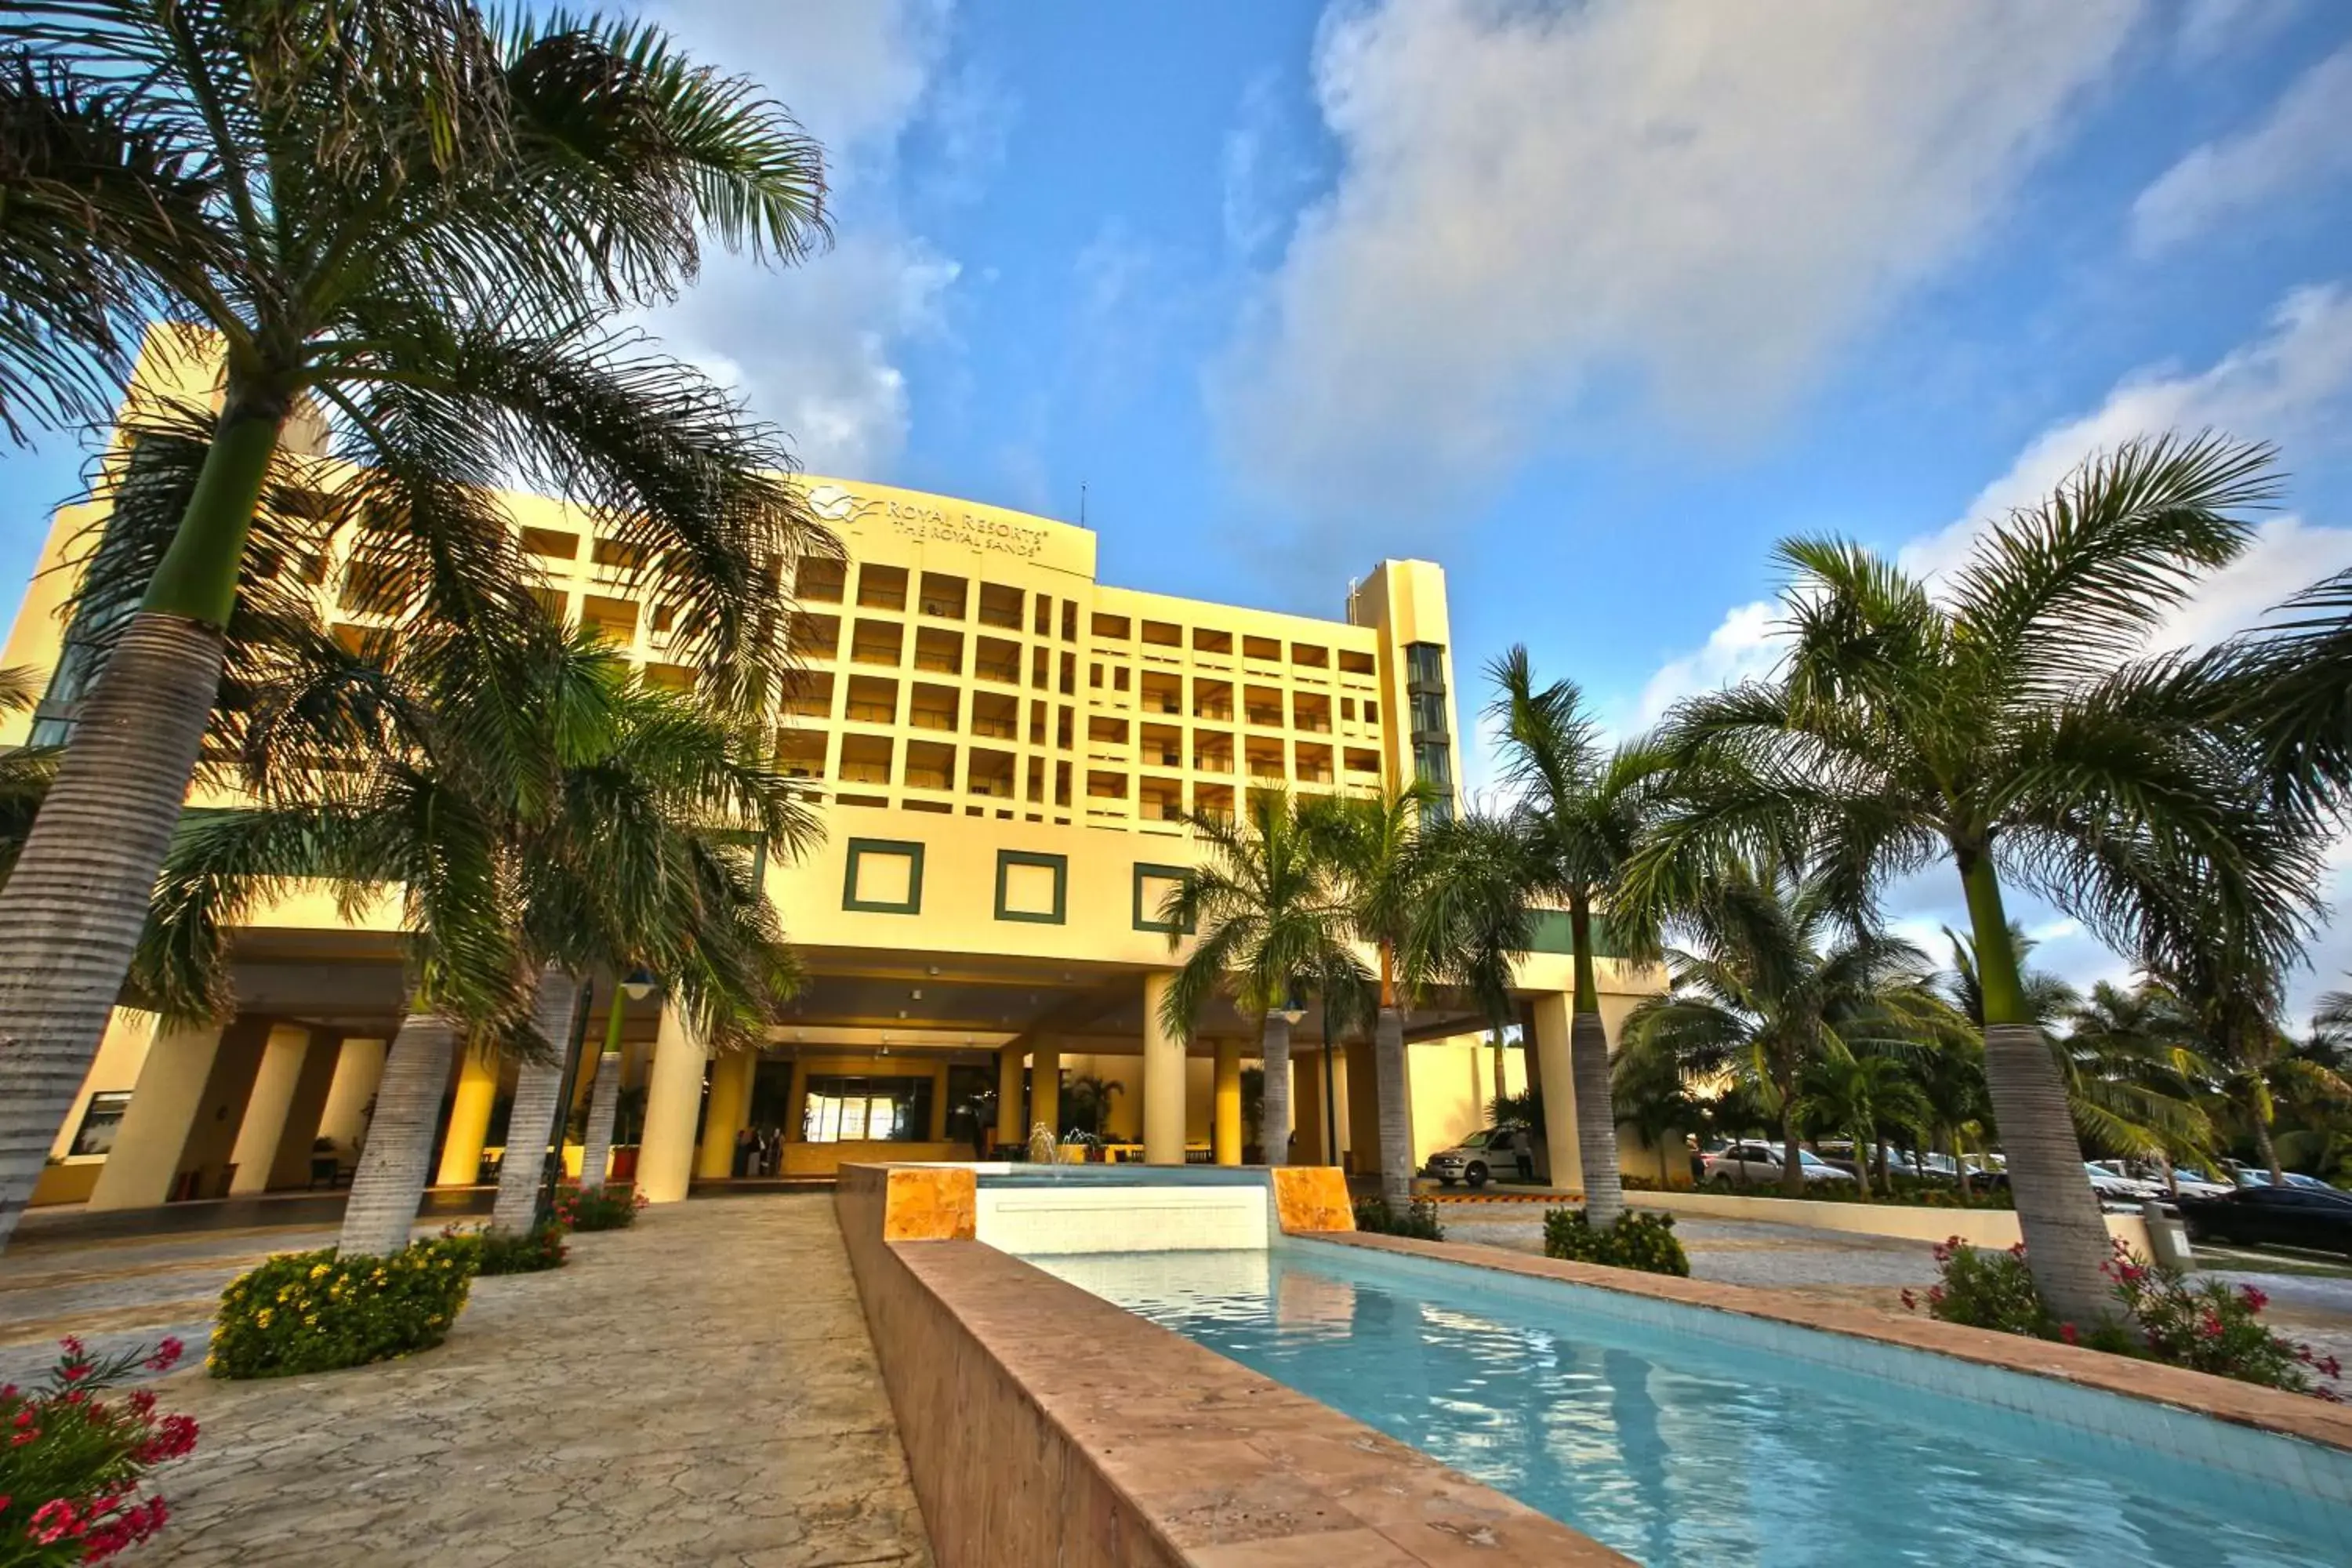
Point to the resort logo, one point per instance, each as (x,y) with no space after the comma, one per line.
(967,529)
(841,507)
(836,505)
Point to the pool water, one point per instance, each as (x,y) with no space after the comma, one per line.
(1683,1450)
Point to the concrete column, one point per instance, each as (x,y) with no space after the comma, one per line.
(1552,1064)
(939,1128)
(291,1167)
(182,1114)
(1309,1125)
(359,1068)
(254,1155)
(1362,1106)
(469,1120)
(1009,1130)
(1045,1085)
(673,1097)
(729,1114)
(1163,1077)
(1226,1138)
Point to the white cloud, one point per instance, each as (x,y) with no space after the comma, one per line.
(1741,648)
(2285,388)
(1262,175)
(2212,28)
(2301,143)
(1535,198)
(816,347)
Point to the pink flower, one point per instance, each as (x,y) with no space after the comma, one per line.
(2255,1301)
(2066,1331)
(52,1522)
(167,1355)
(1910,1302)
(73,1347)
(2211,1327)
(74,1371)
(30,1434)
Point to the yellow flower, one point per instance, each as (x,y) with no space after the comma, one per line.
(319,1271)
(261,1319)
(312,1322)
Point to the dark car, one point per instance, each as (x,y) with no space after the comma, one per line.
(2286,1216)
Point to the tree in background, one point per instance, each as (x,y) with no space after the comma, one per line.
(1267,903)
(1584,808)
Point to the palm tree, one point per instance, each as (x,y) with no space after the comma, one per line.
(1266,904)
(1857,1097)
(2000,721)
(1774,983)
(594,816)
(2132,1070)
(398,218)
(1584,809)
(1387,873)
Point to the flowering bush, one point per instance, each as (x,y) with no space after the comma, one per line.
(503,1252)
(1419,1219)
(1644,1241)
(2206,1326)
(316,1311)
(73,1460)
(604,1208)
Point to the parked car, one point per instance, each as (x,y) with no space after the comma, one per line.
(1759,1165)
(2195,1183)
(1478,1159)
(2285,1216)
(2113,1188)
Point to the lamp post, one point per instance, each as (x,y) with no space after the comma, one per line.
(636,986)
(1293,1008)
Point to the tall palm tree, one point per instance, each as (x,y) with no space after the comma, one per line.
(395,215)
(2132,1069)
(1386,871)
(1772,983)
(595,816)
(1266,904)
(2001,721)
(1584,807)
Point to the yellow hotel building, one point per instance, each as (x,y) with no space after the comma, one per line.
(1003,745)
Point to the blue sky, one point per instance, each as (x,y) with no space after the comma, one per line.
(1589,302)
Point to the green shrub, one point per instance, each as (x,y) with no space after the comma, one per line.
(2207,1326)
(604,1208)
(1642,1241)
(501,1252)
(1419,1219)
(316,1311)
(73,1460)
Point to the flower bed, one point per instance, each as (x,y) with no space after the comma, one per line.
(317,1312)
(74,1461)
(2205,1326)
(1642,1241)
(604,1208)
(1908,1194)
(502,1252)
(1419,1219)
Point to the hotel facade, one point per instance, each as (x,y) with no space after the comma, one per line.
(1002,748)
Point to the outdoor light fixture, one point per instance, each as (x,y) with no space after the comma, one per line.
(1294,1006)
(638,985)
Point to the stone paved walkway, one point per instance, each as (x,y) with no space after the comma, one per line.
(700,1389)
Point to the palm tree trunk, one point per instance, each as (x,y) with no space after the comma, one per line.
(1273,1106)
(539,1085)
(390,1182)
(1588,1065)
(73,907)
(77,901)
(2269,1150)
(1792,1164)
(604,1100)
(1396,1119)
(2065,1237)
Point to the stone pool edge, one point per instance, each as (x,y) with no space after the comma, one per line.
(1044,1425)
(2201,1393)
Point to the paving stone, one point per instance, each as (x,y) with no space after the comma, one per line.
(698,1389)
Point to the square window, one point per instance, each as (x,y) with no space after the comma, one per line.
(1153,884)
(884,877)
(1032,887)
(100,1120)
